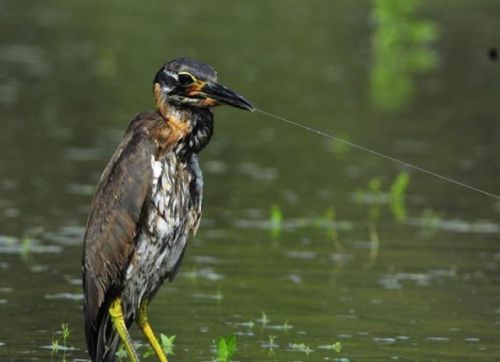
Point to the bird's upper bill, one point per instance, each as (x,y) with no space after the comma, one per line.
(184,82)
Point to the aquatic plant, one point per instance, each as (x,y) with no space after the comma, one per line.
(225,348)
(336,346)
(56,346)
(300,347)
(374,242)
(375,198)
(287,326)
(26,244)
(401,47)
(397,195)
(218,296)
(65,331)
(327,222)
(121,353)
(340,149)
(430,222)
(167,344)
(263,319)
(276,219)
(281,327)
(375,188)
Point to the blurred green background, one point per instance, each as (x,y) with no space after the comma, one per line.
(329,243)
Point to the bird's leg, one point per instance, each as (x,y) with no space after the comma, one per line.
(142,321)
(116,313)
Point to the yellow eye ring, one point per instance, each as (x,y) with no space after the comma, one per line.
(185,79)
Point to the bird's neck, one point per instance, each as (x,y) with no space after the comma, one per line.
(191,128)
(176,118)
(201,132)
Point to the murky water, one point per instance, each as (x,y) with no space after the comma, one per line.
(412,277)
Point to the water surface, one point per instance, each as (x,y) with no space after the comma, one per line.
(419,288)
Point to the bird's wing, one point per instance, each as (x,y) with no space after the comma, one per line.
(115,215)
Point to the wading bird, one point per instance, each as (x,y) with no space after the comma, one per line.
(148,201)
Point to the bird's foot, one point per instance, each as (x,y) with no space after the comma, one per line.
(142,321)
(116,313)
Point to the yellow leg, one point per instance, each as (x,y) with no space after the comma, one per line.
(115,311)
(142,321)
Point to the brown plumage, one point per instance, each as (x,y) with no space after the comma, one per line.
(148,200)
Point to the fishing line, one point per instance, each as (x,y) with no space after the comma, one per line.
(380,154)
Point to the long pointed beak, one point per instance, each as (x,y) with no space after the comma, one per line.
(224,95)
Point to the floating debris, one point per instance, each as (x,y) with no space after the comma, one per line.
(270,343)
(438,339)
(249,324)
(280,327)
(297,279)
(84,154)
(39,268)
(307,255)
(384,340)
(258,173)
(81,189)
(67,296)
(263,319)
(217,296)
(60,348)
(344,335)
(342,359)
(205,273)
(299,347)
(341,258)
(393,281)
(471,339)
(11,245)
(208,259)
(457,225)
(337,346)
(67,235)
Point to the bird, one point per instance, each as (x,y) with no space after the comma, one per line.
(147,204)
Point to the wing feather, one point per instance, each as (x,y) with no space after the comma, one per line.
(114,220)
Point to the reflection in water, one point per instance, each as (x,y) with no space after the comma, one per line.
(401,50)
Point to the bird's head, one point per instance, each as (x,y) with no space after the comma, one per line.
(184,83)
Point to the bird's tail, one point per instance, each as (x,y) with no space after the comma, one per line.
(102,340)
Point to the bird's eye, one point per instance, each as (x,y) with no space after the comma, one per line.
(185,79)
